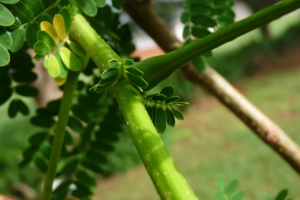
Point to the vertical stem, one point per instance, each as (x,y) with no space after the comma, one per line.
(63,117)
(169,183)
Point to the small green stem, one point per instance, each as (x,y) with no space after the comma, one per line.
(158,68)
(170,184)
(63,117)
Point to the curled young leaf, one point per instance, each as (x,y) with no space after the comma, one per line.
(110,73)
(137,80)
(134,71)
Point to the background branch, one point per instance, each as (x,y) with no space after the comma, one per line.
(144,15)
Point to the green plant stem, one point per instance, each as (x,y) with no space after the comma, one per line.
(61,124)
(158,68)
(98,50)
(170,184)
(264,128)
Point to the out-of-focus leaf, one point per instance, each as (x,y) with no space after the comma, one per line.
(69,59)
(24,76)
(6,17)
(5,38)
(4,56)
(13,108)
(26,90)
(88,7)
(18,36)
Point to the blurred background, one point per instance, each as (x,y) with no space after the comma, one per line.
(263,65)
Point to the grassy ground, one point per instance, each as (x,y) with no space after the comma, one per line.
(211,141)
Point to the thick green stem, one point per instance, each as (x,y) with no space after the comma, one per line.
(157,68)
(169,183)
(87,37)
(63,117)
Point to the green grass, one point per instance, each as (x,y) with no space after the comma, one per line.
(212,142)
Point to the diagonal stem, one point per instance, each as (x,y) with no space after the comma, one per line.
(262,126)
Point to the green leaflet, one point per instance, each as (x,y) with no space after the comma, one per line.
(6,17)
(41,48)
(24,76)
(100,3)
(168,91)
(38,138)
(46,38)
(172,99)
(160,108)
(5,38)
(170,118)
(35,6)
(18,37)
(4,56)
(160,120)
(13,108)
(52,66)
(199,63)
(16,106)
(67,18)
(26,90)
(110,73)
(62,67)
(77,49)
(113,63)
(108,81)
(31,30)
(88,7)
(69,59)
(22,11)
(136,80)
(9,1)
(177,114)
(134,71)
